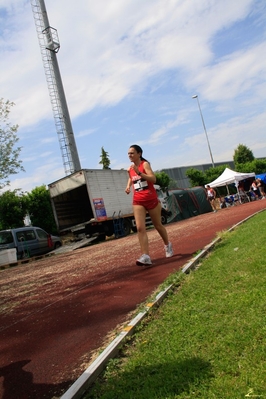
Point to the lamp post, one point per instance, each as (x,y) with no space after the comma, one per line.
(205,130)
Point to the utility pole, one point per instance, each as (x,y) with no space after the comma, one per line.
(210,151)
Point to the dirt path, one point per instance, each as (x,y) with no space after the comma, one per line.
(55,312)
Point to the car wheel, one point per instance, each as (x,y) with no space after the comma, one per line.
(127,227)
(101,237)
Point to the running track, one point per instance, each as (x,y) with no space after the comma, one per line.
(57,312)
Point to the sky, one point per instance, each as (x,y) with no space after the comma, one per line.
(129,70)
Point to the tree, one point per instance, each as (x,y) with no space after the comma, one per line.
(246,162)
(40,209)
(163,180)
(105,161)
(258,166)
(172,184)
(9,155)
(212,173)
(242,155)
(14,206)
(200,178)
(12,209)
(196,177)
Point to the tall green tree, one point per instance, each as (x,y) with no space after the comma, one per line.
(196,177)
(163,180)
(13,208)
(258,166)
(212,173)
(246,162)
(10,163)
(242,154)
(173,185)
(40,209)
(200,178)
(105,161)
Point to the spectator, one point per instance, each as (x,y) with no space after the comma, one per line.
(261,185)
(211,195)
(254,188)
(241,187)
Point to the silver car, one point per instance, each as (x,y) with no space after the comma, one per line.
(29,241)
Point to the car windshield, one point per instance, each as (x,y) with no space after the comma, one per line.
(6,237)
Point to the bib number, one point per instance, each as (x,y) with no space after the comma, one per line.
(140,185)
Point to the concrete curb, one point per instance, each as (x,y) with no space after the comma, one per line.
(93,371)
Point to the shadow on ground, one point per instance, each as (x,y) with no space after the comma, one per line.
(157,380)
(18,383)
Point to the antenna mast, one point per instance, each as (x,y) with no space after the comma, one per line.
(49,44)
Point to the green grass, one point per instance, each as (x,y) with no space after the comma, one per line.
(208,338)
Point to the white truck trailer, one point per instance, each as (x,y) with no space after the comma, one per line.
(93,202)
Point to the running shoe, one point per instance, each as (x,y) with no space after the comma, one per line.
(168,250)
(144,260)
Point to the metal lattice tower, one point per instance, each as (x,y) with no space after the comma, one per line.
(49,44)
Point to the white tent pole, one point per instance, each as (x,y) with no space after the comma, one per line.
(237,184)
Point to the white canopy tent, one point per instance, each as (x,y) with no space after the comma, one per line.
(228,177)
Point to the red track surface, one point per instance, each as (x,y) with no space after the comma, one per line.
(55,312)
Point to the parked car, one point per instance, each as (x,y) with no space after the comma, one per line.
(29,241)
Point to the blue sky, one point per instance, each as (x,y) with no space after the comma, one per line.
(129,70)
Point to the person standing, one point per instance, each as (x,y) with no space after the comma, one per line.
(211,195)
(255,189)
(261,185)
(142,179)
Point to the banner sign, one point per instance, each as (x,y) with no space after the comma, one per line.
(99,209)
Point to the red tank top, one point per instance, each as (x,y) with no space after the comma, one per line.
(142,189)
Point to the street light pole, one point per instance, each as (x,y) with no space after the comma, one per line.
(205,130)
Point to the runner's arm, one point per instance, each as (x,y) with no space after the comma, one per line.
(149,175)
(129,184)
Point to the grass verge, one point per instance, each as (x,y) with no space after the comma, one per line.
(208,340)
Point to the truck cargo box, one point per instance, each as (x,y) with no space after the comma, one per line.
(90,194)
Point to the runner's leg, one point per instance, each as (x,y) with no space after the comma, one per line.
(155,215)
(140,216)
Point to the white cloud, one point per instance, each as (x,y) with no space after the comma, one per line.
(129,69)
(234,75)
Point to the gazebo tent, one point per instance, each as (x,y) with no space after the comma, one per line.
(230,176)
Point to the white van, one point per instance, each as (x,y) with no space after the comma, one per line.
(28,241)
